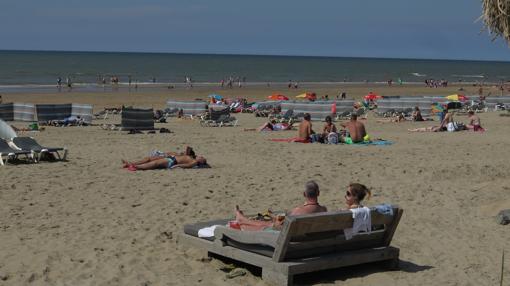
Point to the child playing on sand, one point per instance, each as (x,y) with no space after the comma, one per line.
(474,122)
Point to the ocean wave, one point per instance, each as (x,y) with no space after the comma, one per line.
(418,74)
(469,75)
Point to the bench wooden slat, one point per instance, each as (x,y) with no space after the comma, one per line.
(330,221)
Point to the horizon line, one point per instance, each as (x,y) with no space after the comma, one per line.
(247,54)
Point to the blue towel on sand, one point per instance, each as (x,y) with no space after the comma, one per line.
(379,142)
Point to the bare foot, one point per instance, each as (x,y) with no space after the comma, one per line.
(239,214)
(125,163)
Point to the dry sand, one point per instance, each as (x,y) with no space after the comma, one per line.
(90,222)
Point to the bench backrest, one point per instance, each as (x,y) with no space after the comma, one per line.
(313,235)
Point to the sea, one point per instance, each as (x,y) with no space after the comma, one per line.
(40,70)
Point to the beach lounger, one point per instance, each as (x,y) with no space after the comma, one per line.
(218,118)
(27,143)
(306,243)
(8,152)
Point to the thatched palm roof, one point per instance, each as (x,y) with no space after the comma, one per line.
(496,15)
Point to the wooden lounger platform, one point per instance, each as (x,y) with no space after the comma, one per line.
(306,243)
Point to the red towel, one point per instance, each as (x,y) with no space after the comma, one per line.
(295,139)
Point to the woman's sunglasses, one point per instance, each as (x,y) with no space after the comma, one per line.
(348,194)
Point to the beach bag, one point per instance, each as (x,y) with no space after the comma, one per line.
(315,138)
(332,138)
(453,126)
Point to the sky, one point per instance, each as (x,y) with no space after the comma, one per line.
(433,29)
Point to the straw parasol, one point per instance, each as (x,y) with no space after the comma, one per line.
(496,16)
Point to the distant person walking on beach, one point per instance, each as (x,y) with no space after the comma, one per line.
(59,82)
(69,83)
(344,95)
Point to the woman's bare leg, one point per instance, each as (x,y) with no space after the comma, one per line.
(424,129)
(160,163)
(126,163)
(248,224)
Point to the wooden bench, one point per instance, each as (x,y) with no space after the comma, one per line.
(306,243)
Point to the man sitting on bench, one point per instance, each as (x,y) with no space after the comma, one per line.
(310,206)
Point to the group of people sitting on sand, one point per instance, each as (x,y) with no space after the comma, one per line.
(448,124)
(167,160)
(353,132)
(354,197)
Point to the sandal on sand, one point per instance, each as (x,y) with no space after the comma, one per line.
(236,273)
(135,131)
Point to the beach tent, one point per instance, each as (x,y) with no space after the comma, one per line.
(84,111)
(188,107)
(6,112)
(17,112)
(318,110)
(6,131)
(278,96)
(49,112)
(137,119)
(264,105)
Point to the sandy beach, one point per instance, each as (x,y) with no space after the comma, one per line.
(87,221)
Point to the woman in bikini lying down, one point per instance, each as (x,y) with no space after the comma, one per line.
(168,160)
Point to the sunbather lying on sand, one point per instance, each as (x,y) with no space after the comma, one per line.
(448,118)
(272,126)
(311,205)
(397,118)
(168,160)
